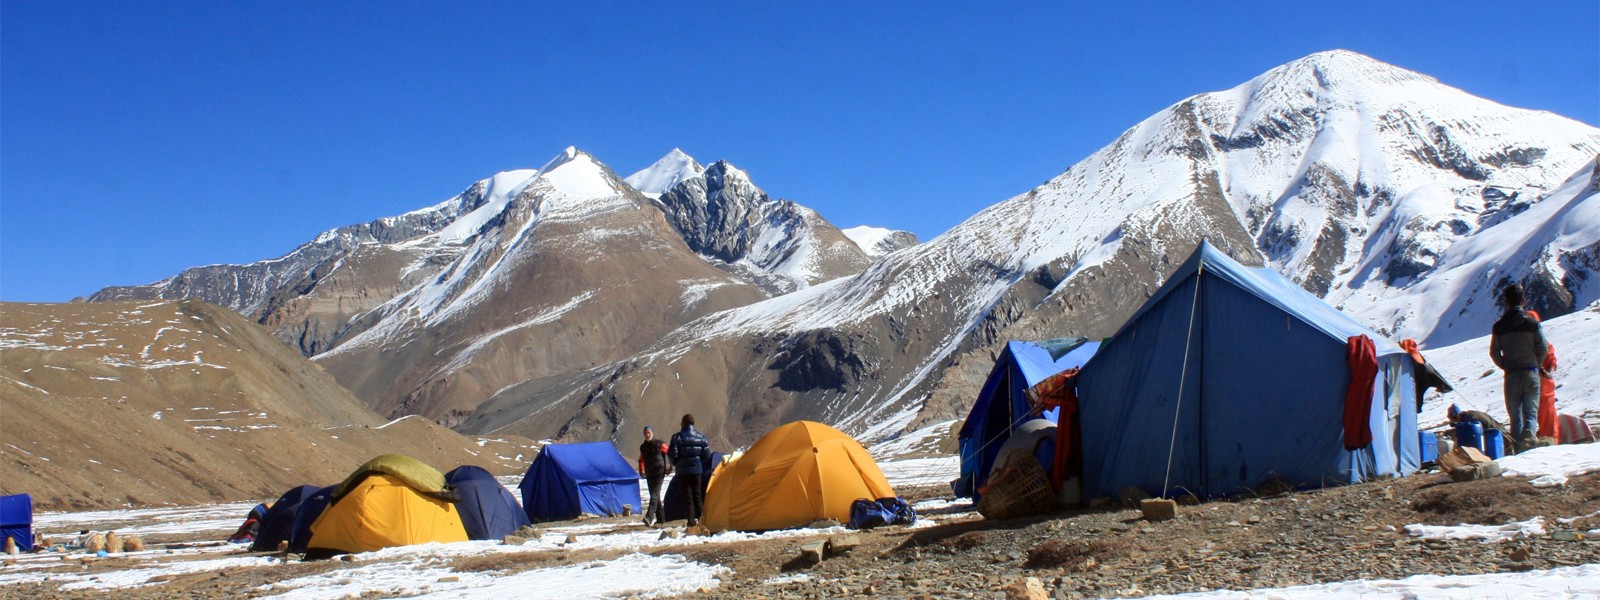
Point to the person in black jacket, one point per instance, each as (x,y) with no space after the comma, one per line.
(689,452)
(1518,347)
(653,465)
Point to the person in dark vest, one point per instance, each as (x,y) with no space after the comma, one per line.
(1518,347)
(689,452)
(654,466)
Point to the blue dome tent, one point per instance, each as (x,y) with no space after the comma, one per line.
(488,510)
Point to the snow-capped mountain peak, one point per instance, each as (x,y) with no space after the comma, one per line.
(665,173)
(578,175)
(878,241)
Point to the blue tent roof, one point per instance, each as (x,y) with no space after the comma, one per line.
(1235,375)
(16,520)
(278,524)
(311,507)
(566,480)
(488,510)
(1002,403)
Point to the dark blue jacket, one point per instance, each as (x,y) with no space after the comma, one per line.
(689,451)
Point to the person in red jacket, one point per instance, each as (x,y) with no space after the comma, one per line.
(653,464)
(1549,421)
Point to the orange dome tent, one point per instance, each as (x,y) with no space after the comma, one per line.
(392,500)
(798,473)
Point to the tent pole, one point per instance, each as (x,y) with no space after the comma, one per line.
(1177,405)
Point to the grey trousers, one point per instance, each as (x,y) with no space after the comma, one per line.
(1522,403)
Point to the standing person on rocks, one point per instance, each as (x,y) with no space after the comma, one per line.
(1518,347)
(654,466)
(689,451)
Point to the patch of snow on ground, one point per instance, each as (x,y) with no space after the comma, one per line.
(140,577)
(1487,533)
(1566,582)
(922,471)
(632,576)
(1552,465)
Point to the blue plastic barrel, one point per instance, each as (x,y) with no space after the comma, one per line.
(1428,443)
(1469,433)
(1493,445)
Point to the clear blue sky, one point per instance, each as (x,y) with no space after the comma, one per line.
(140,138)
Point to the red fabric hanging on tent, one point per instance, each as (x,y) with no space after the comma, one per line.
(1362,356)
(1060,391)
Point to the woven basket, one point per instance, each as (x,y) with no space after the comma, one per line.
(1020,488)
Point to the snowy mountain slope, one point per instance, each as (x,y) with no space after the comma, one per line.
(307,295)
(1352,177)
(1552,247)
(577,269)
(776,244)
(1478,384)
(878,241)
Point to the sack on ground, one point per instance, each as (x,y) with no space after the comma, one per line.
(866,513)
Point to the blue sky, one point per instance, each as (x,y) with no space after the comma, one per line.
(140,138)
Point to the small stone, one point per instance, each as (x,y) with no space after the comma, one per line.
(869,590)
(627,510)
(572,538)
(347,557)
(450,579)
(696,530)
(133,543)
(841,544)
(113,542)
(813,552)
(1026,589)
(669,534)
(1521,554)
(1158,509)
(514,540)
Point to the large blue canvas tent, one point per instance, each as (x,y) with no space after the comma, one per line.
(1002,405)
(567,480)
(488,510)
(278,525)
(1234,376)
(16,520)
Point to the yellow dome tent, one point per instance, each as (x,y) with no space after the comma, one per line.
(392,500)
(798,473)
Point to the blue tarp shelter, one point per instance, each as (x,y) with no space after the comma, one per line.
(278,525)
(1236,375)
(16,520)
(566,480)
(310,508)
(1002,404)
(488,510)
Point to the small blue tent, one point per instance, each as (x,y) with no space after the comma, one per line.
(567,480)
(278,525)
(488,510)
(16,520)
(1234,376)
(1002,404)
(310,508)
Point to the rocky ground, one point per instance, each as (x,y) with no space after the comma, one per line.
(1330,535)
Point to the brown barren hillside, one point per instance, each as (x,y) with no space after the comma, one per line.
(124,403)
